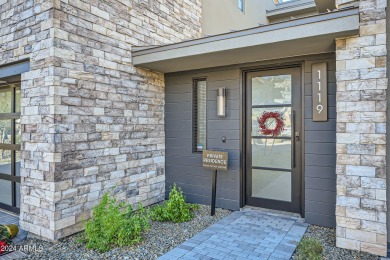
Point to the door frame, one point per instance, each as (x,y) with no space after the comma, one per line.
(13,147)
(243,138)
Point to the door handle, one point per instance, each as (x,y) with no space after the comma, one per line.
(293,139)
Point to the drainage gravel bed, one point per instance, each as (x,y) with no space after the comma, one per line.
(159,239)
(327,238)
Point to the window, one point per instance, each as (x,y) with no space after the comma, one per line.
(199,115)
(241,5)
(277,2)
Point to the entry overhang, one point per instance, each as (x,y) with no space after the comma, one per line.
(305,36)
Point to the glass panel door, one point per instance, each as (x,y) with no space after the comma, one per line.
(10,132)
(272,172)
(271,148)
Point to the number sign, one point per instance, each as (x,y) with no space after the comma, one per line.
(320,92)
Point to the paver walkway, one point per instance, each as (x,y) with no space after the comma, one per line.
(248,234)
(7,218)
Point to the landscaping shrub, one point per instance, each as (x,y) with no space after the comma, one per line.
(309,249)
(175,209)
(4,234)
(115,224)
(4,239)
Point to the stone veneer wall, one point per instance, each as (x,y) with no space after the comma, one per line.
(361,133)
(91,122)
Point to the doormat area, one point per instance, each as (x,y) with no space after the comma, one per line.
(251,234)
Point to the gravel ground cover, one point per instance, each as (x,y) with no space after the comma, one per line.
(327,238)
(159,239)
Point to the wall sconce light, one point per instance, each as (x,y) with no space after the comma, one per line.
(221,102)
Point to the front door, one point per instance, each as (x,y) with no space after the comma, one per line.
(273,133)
(10,132)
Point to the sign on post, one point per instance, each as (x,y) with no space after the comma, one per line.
(320,92)
(215,161)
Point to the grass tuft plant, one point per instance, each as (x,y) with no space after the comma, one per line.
(115,224)
(309,249)
(175,209)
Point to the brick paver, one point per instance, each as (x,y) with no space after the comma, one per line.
(248,234)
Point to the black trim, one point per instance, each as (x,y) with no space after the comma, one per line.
(271,137)
(9,116)
(12,147)
(242,139)
(280,205)
(259,67)
(270,168)
(8,177)
(195,114)
(15,68)
(276,105)
(9,208)
(302,210)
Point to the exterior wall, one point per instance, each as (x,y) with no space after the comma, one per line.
(26,33)
(92,123)
(320,147)
(361,133)
(184,167)
(222,16)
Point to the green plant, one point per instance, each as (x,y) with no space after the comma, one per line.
(4,239)
(309,249)
(4,234)
(115,224)
(175,209)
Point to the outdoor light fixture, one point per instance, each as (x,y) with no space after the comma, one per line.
(221,102)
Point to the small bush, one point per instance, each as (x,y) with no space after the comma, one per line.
(4,234)
(115,224)
(309,249)
(175,209)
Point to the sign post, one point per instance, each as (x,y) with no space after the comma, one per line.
(215,161)
(214,192)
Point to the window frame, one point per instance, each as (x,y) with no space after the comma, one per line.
(277,3)
(14,147)
(195,115)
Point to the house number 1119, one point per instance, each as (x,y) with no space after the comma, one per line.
(320,89)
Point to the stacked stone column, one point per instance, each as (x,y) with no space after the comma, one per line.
(361,132)
(91,122)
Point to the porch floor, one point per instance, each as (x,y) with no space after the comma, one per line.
(9,218)
(251,234)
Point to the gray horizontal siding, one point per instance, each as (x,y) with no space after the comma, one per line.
(320,153)
(183,167)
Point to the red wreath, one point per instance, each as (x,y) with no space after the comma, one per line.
(264,126)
